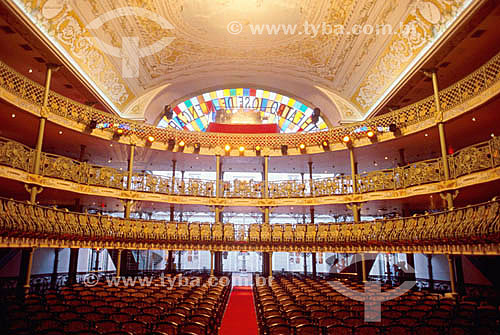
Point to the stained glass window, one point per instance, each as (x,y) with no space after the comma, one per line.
(290,115)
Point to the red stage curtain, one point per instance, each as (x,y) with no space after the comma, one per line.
(243,128)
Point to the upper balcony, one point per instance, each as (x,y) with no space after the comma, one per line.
(470,92)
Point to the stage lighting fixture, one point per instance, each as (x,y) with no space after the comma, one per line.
(346,139)
(302,146)
(227,147)
(284,150)
(325,145)
(182,143)
(197,147)
(171,144)
(151,139)
(370,134)
(241,148)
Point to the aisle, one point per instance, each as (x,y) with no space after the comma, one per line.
(240,313)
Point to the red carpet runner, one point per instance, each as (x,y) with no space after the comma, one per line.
(240,317)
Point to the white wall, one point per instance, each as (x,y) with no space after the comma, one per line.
(43,262)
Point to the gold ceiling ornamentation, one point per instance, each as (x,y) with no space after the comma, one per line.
(58,21)
(340,60)
(425,21)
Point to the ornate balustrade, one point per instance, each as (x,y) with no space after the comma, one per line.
(466,227)
(469,87)
(485,155)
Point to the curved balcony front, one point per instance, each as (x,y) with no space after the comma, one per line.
(472,165)
(469,230)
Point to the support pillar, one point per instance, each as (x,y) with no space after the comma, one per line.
(313,264)
(129,202)
(305,264)
(363,268)
(44,113)
(212,256)
(174,163)
(179,257)
(451,267)
(265,191)
(218,268)
(270,265)
(73,265)
(53,278)
(24,279)
(410,260)
(170,261)
(172,213)
(429,271)
(442,136)
(266,264)
(446,167)
(119,263)
(459,275)
(97,256)
(388,267)
(218,176)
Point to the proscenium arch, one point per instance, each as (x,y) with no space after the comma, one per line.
(288,113)
(300,90)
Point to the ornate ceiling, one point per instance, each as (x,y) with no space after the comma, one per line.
(140,54)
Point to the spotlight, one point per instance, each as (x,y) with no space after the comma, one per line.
(302,148)
(168,112)
(394,129)
(257,150)
(372,135)
(91,126)
(326,145)
(151,139)
(346,139)
(171,144)
(181,143)
(197,147)
(315,115)
(227,147)
(284,150)
(241,149)
(119,132)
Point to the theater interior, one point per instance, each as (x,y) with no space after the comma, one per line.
(271,167)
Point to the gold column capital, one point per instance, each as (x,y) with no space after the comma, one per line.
(44,112)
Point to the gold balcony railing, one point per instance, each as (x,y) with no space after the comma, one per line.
(472,225)
(477,157)
(471,86)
